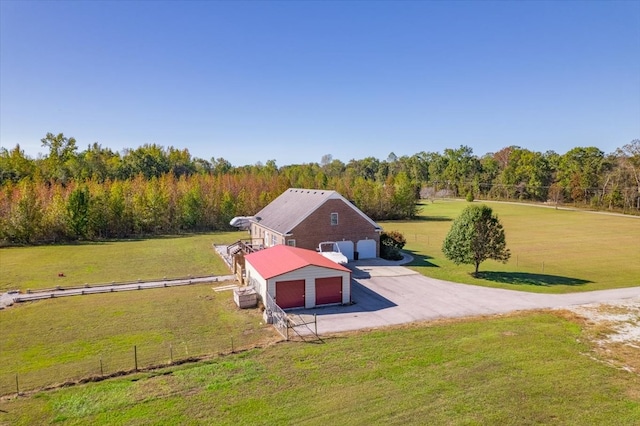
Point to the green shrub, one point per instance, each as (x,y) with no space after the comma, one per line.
(391,242)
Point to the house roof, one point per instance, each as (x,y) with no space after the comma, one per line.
(281,259)
(295,205)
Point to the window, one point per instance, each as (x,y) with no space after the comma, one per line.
(291,243)
(274,240)
(334,219)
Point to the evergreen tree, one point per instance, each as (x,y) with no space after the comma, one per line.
(78,211)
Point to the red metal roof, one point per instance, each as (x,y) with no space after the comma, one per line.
(281,259)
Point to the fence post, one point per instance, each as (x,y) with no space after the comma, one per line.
(232,351)
(171,354)
(17,386)
(543,266)
(101,369)
(135,356)
(315,322)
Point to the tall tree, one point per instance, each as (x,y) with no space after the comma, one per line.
(78,211)
(150,160)
(25,219)
(460,167)
(526,175)
(475,236)
(15,165)
(61,151)
(580,172)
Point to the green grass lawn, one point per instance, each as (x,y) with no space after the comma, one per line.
(56,340)
(520,370)
(552,251)
(119,261)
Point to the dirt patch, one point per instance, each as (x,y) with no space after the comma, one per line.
(614,328)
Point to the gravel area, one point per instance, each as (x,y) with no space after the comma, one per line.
(621,317)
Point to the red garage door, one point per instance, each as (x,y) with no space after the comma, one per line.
(328,290)
(290,294)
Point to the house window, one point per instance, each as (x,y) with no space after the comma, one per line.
(291,243)
(274,240)
(334,219)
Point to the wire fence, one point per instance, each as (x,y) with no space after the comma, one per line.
(41,373)
(535,261)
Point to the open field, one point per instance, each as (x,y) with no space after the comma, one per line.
(56,340)
(552,251)
(119,261)
(523,369)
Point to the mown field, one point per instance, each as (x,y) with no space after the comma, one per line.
(57,340)
(517,370)
(552,251)
(103,262)
(534,368)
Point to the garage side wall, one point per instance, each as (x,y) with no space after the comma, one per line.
(317,228)
(255,280)
(309,274)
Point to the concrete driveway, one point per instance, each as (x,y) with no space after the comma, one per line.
(389,295)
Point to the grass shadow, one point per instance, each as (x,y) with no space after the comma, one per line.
(108,241)
(432,219)
(524,278)
(420,259)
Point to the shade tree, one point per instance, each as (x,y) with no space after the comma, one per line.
(475,236)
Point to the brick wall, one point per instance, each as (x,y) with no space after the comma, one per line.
(317,227)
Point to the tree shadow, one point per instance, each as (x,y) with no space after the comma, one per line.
(432,219)
(108,241)
(524,278)
(419,259)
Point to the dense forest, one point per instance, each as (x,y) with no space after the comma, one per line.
(97,193)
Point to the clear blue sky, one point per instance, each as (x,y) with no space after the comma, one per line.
(292,81)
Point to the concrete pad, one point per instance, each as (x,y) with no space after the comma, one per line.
(380,271)
(391,295)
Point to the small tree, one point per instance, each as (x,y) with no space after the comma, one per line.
(475,236)
(469,197)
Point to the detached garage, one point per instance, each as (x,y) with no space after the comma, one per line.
(297,278)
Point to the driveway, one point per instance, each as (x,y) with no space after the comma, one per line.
(389,295)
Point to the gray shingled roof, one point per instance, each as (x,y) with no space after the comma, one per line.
(296,204)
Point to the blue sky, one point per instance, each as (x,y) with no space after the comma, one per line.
(293,81)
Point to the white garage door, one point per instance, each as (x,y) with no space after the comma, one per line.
(366,249)
(346,248)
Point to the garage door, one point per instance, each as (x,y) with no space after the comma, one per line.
(346,248)
(328,290)
(366,249)
(290,294)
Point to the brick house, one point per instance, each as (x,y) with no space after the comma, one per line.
(305,218)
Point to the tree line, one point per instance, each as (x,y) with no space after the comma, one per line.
(97,193)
